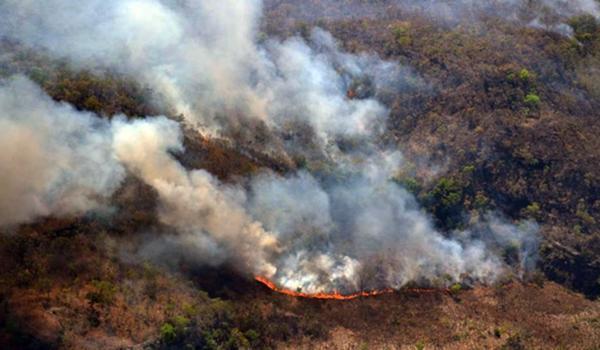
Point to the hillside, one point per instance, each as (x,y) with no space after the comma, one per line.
(450,157)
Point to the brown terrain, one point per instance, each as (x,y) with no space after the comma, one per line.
(509,118)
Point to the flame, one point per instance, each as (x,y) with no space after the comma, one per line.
(324,296)
(338,296)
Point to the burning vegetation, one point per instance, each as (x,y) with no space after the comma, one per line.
(438,156)
(323,296)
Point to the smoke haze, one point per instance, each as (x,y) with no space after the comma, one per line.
(53,159)
(348,228)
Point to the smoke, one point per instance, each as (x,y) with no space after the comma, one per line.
(201,209)
(453,11)
(57,161)
(202,58)
(54,160)
(546,14)
(347,227)
(365,231)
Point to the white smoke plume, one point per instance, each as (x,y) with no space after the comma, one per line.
(201,56)
(194,203)
(57,161)
(364,231)
(346,229)
(54,160)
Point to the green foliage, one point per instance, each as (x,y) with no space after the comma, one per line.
(220,339)
(410,184)
(402,34)
(585,27)
(168,333)
(583,214)
(468,170)
(181,323)
(420,345)
(524,75)
(448,192)
(103,293)
(481,200)
(252,335)
(455,288)
(533,210)
(237,340)
(446,202)
(532,100)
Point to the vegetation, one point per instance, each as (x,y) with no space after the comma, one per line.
(510,115)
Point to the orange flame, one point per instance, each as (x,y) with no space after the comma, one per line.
(324,296)
(338,296)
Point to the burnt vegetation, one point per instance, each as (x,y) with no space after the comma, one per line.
(510,114)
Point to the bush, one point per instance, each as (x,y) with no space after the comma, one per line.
(532,100)
(515,342)
(524,75)
(103,294)
(410,184)
(481,201)
(181,323)
(402,34)
(168,333)
(455,288)
(585,27)
(445,201)
(533,210)
(448,191)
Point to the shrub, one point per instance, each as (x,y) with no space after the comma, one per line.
(585,27)
(468,170)
(532,100)
(237,340)
(410,184)
(515,342)
(481,200)
(402,34)
(583,214)
(103,293)
(498,332)
(445,201)
(524,75)
(532,210)
(455,288)
(181,323)
(448,191)
(168,333)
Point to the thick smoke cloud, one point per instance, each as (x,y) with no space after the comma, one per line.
(57,161)
(364,231)
(53,159)
(201,56)
(194,203)
(346,228)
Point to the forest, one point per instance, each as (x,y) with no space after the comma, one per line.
(444,151)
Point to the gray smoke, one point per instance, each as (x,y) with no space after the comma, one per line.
(202,210)
(546,14)
(347,227)
(54,160)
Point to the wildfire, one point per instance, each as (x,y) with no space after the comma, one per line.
(338,296)
(324,296)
